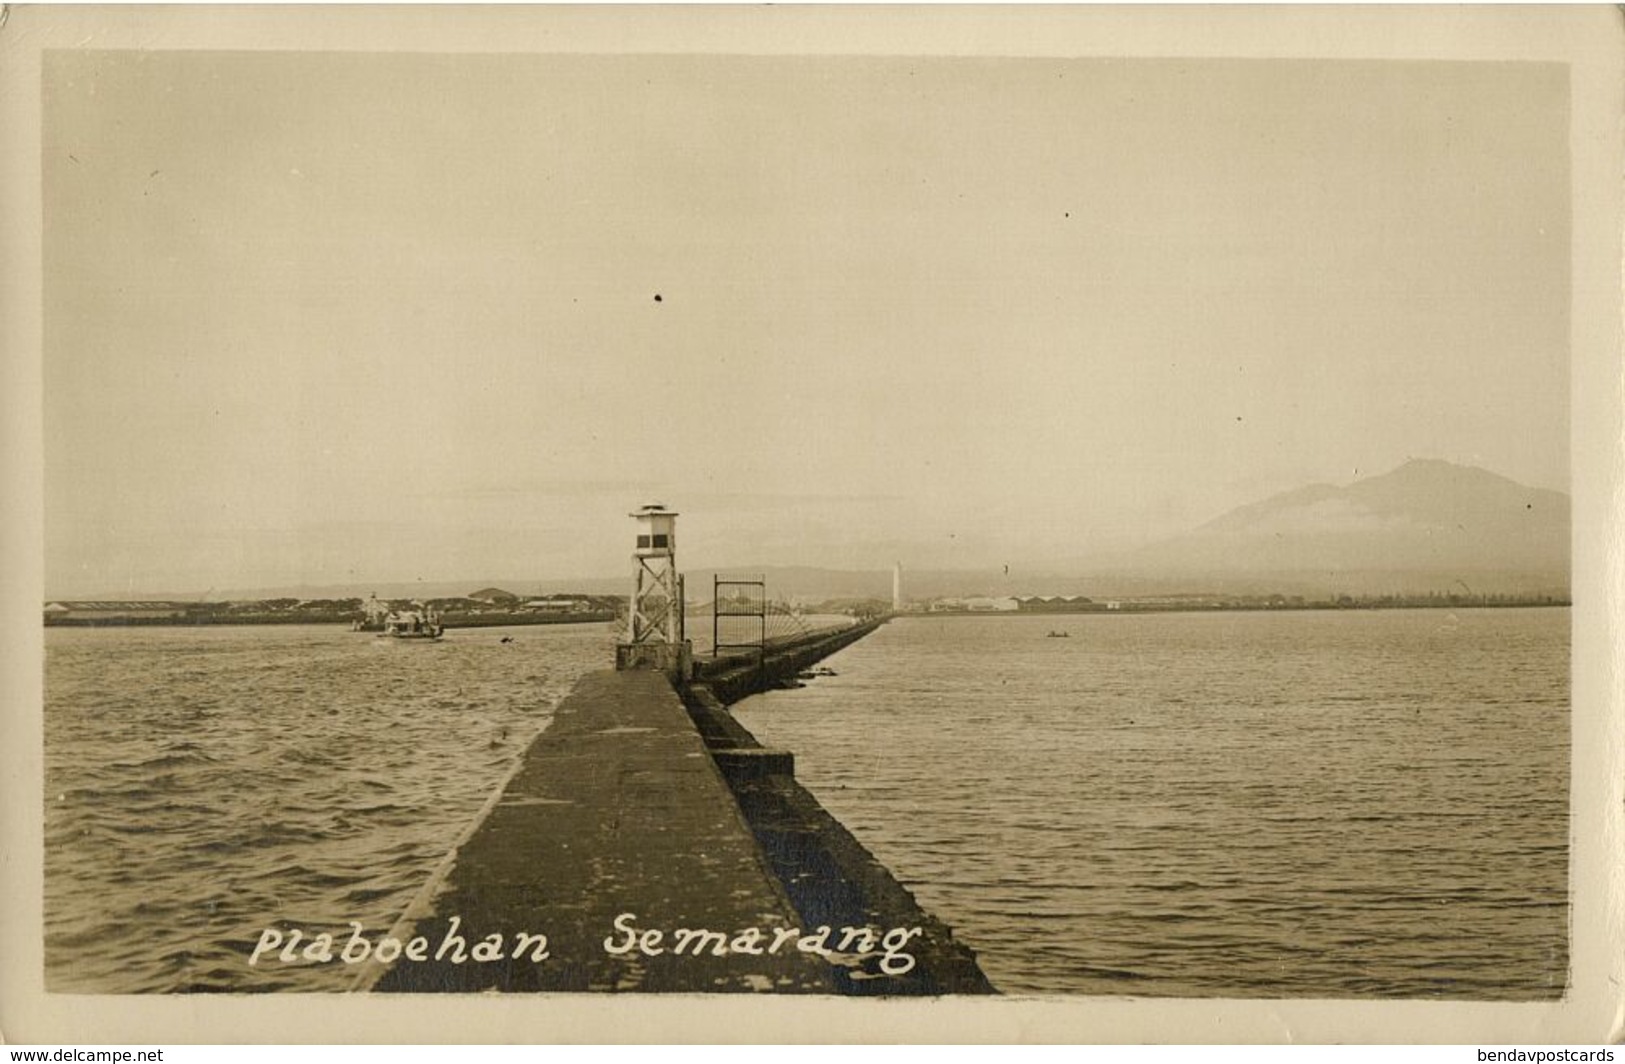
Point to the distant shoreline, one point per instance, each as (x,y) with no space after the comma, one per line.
(1097,609)
(1318,607)
(285,618)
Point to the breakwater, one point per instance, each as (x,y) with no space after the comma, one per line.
(647,843)
(830,878)
(733,677)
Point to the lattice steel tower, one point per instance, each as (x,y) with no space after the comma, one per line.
(655,636)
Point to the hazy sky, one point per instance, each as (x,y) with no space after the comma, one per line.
(335,318)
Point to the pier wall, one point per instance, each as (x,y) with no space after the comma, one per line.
(615,809)
(829,876)
(736,676)
(649,807)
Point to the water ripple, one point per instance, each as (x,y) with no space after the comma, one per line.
(1326,804)
(204,784)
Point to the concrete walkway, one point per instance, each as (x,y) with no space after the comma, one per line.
(616,809)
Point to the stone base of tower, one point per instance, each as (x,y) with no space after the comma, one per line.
(676,660)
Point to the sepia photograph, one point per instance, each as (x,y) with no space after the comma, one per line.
(623,509)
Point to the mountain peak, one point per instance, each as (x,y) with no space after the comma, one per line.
(1427,514)
(1432,463)
(1438,470)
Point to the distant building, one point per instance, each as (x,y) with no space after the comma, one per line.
(982,604)
(494,596)
(99,610)
(558,605)
(1054,603)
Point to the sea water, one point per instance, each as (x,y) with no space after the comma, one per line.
(1337,804)
(203,784)
(1323,804)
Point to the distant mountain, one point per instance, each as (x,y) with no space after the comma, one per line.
(1428,524)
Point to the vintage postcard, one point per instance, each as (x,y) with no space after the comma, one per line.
(972,523)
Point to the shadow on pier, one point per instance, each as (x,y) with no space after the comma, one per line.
(648,843)
(830,878)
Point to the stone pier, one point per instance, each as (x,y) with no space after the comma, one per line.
(659,848)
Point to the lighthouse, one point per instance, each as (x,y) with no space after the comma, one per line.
(897,588)
(654,637)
